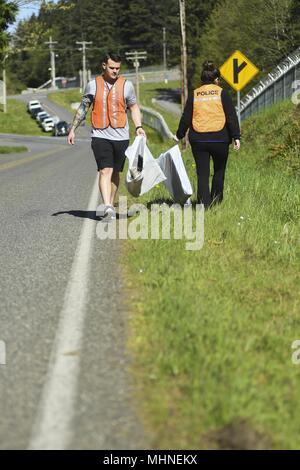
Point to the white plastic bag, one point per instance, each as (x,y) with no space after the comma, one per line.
(177,182)
(140,158)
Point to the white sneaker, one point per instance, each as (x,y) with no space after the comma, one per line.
(109,213)
(100,211)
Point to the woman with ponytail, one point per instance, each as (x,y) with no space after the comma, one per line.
(210,116)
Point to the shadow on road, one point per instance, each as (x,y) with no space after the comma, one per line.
(82,214)
(90,215)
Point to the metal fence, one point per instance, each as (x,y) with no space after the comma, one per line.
(154,76)
(275,87)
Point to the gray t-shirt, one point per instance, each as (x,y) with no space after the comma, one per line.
(111,133)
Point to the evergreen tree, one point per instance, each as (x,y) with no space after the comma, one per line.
(8,12)
(141,25)
(197,12)
(295,23)
(31,61)
(265,30)
(260,29)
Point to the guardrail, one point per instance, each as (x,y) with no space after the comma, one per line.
(277,86)
(156,121)
(154,76)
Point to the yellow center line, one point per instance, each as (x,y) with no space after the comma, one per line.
(22,161)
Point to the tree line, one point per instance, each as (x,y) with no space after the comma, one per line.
(265,30)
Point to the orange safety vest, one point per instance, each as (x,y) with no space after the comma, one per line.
(109,104)
(208,112)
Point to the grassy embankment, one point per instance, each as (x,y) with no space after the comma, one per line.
(66,98)
(150,91)
(18,121)
(211,330)
(4,149)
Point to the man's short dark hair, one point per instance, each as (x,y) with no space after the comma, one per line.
(113,56)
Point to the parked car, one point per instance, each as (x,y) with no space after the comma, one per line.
(42,119)
(48,124)
(61,128)
(34,112)
(33,104)
(55,119)
(40,115)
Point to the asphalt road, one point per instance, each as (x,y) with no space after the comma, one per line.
(169,100)
(65,382)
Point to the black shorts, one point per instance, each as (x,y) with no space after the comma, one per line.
(109,153)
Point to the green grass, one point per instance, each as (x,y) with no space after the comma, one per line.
(148,91)
(211,330)
(279,144)
(18,121)
(6,149)
(66,98)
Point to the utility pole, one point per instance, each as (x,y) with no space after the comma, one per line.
(134,57)
(4,92)
(52,59)
(165,54)
(84,74)
(184,94)
(4,85)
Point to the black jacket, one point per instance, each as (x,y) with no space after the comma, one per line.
(230,131)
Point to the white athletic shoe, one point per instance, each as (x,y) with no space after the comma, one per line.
(100,211)
(109,213)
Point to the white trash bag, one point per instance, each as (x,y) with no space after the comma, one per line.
(177,182)
(143,170)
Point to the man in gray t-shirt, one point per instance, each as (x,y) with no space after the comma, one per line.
(130,100)
(111,96)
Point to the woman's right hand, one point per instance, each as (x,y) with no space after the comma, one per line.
(236,144)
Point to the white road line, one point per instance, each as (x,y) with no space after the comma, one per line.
(53,425)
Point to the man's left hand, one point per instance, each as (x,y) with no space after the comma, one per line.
(141,131)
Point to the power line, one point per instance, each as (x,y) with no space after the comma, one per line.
(165,54)
(184,53)
(184,94)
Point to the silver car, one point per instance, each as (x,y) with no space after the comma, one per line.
(41,115)
(48,124)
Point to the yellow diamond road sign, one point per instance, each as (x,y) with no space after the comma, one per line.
(238,70)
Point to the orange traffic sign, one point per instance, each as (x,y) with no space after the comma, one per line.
(238,70)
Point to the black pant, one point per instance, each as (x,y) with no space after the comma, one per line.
(219,153)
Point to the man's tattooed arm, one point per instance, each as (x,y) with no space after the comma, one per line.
(81,112)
